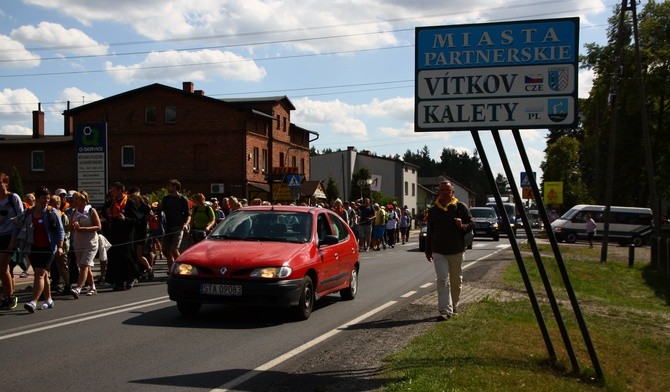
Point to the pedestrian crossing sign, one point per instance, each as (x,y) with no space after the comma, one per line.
(293,181)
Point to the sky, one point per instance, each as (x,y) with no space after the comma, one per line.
(347,65)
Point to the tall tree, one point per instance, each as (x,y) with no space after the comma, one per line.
(631,186)
(427,166)
(562,164)
(332,191)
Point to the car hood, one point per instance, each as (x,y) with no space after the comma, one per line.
(243,254)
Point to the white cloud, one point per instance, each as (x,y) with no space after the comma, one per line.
(75,96)
(64,41)
(14,54)
(16,108)
(181,65)
(398,108)
(15,129)
(585,81)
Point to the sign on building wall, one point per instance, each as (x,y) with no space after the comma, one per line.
(497,75)
(90,143)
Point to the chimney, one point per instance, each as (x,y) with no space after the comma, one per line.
(38,122)
(68,122)
(188,87)
(199,92)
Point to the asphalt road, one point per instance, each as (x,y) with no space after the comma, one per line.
(136,340)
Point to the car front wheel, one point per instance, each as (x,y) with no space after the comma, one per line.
(188,309)
(350,292)
(306,303)
(571,238)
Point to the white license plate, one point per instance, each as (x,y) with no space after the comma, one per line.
(221,289)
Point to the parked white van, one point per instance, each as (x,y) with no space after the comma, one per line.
(628,225)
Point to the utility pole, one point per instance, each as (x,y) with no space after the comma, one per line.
(616,75)
(649,158)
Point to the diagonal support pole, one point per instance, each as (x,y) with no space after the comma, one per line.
(536,253)
(515,248)
(559,258)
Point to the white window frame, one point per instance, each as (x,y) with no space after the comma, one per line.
(255,159)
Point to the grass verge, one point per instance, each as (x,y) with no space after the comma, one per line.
(497,346)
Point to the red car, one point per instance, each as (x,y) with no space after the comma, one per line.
(282,256)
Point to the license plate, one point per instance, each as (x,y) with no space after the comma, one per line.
(221,289)
(480,231)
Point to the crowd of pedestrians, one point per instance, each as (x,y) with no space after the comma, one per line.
(61,235)
(375,226)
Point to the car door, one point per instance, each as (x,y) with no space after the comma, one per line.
(346,247)
(329,268)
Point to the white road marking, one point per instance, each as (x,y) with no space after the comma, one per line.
(80,318)
(269,365)
(408,294)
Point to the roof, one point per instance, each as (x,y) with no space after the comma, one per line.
(252,100)
(245,103)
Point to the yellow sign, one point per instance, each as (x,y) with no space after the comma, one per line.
(553,192)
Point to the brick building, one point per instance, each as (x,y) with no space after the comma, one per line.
(154,133)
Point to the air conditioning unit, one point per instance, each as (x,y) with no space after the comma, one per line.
(216,189)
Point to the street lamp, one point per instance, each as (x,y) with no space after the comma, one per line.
(364,184)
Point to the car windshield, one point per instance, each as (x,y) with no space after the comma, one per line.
(483,213)
(252,225)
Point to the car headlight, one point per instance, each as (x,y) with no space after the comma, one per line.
(184,269)
(558,229)
(495,225)
(271,272)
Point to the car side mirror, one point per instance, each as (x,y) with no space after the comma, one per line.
(329,240)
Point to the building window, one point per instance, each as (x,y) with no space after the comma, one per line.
(294,162)
(281,159)
(128,156)
(255,159)
(413,189)
(150,115)
(302,165)
(284,124)
(406,188)
(170,114)
(264,161)
(37,161)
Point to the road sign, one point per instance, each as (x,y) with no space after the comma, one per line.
(525,180)
(553,192)
(497,75)
(293,180)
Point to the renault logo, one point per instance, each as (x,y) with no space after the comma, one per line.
(223,270)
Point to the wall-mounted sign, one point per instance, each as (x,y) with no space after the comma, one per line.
(90,143)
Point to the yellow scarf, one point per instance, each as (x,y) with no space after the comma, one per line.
(444,208)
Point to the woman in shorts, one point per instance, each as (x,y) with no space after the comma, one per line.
(40,230)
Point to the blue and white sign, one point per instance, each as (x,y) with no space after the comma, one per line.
(499,75)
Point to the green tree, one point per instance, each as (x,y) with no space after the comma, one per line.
(427,166)
(356,190)
(502,184)
(16,183)
(332,191)
(562,164)
(631,186)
